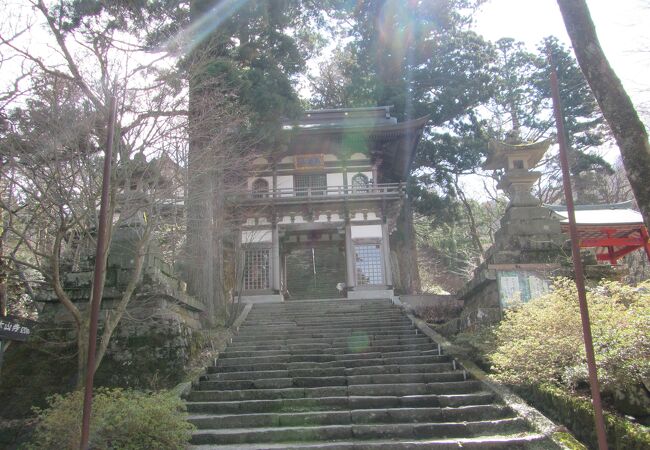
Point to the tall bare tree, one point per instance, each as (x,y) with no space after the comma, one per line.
(52,143)
(623,119)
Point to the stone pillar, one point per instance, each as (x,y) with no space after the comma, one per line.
(349,257)
(275,258)
(385,249)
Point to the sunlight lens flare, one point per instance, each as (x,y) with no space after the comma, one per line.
(199,29)
(358,342)
(395,24)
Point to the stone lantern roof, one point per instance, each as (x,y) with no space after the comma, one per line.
(514,156)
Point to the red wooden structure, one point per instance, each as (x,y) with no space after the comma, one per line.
(614,230)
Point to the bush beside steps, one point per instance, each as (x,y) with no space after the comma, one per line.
(121,419)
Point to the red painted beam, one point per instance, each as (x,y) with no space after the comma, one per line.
(618,254)
(611,242)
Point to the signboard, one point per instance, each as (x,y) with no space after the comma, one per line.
(517,287)
(308,162)
(11,330)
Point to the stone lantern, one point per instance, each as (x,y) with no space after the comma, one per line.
(517,161)
(528,248)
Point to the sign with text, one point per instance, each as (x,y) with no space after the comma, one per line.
(516,287)
(11,330)
(308,161)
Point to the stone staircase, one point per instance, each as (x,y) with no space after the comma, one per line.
(342,374)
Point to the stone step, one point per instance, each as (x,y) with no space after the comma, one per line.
(332,387)
(361,416)
(300,305)
(332,300)
(351,334)
(325,349)
(267,393)
(352,341)
(348,322)
(400,368)
(339,403)
(210,392)
(349,364)
(306,329)
(355,345)
(323,317)
(276,362)
(501,442)
(358,431)
(294,369)
(315,315)
(298,330)
(325,357)
(248,380)
(317,319)
(406,332)
(327,313)
(257,393)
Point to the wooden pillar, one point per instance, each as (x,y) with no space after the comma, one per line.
(385,248)
(275,260)
(349,257)
(610,254)
(646,241)
(275,178)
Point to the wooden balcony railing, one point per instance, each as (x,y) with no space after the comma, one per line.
(327,193)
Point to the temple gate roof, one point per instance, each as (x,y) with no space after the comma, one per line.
(369,130)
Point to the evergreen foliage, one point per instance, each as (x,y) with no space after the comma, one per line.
(423,60)
(522,111)
(257,49)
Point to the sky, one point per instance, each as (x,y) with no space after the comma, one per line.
(622,27)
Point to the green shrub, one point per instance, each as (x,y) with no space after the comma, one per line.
(121,419)
(541,342)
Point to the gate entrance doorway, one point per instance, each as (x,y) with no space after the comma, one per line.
(313,266)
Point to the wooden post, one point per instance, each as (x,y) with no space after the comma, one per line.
(646,241)
(385,248)
(349,256)
(275,179)
(98,276)
(577,263)
(275,261)
(610,253)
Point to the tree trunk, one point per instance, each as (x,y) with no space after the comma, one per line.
(200,249)
(618,110)
(403,241)
(473,229)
